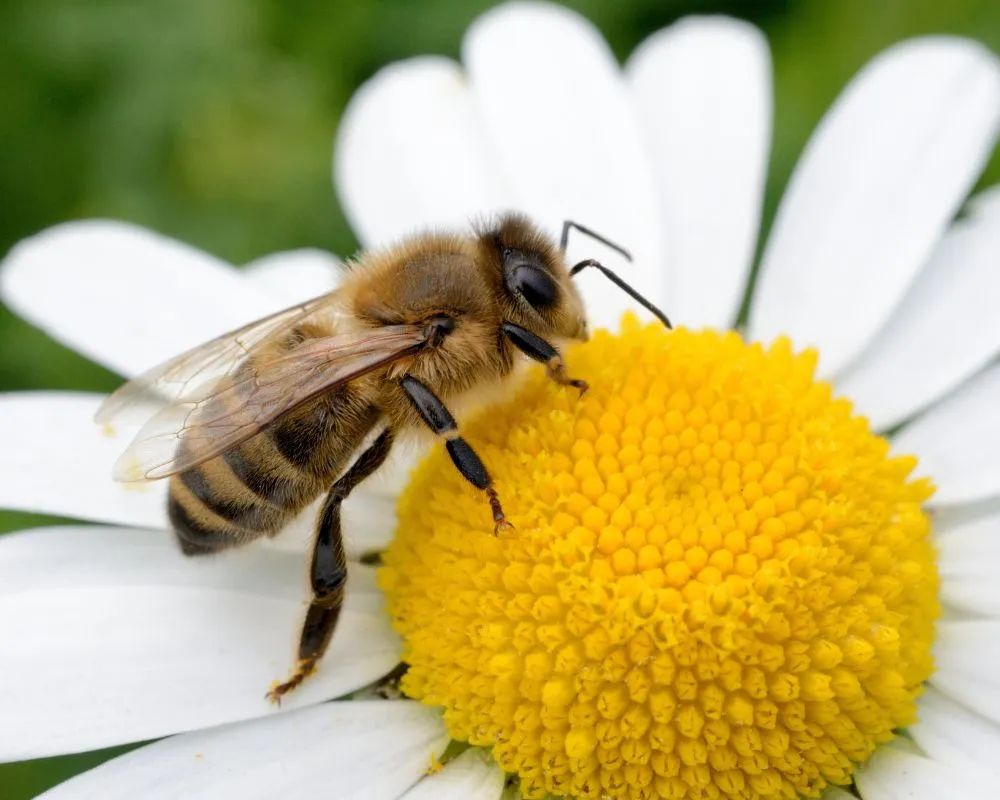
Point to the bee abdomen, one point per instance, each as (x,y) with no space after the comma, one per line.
(196,534)
(280,490)
(257,487)
(254,514)
(210,513)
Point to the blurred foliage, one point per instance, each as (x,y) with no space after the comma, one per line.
(212,122)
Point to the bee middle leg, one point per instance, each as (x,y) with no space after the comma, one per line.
(328,571)
(439,419)
(540,350)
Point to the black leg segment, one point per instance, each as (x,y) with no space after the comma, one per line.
(441,422)
(540,350)
(328,571)
(468,463)
(429,406)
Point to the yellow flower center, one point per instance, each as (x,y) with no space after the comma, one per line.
(721,585)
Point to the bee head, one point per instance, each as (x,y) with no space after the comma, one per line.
(535,284)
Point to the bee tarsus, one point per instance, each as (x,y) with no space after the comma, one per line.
(540,350)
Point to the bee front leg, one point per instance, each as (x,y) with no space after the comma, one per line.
(440,420)
(540,350)
(328,572)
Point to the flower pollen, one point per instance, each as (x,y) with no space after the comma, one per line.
(720,584)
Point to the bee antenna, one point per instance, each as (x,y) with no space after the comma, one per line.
(590,262)
(570,224)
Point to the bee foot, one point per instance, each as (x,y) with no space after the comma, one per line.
(303,670)
(501,527)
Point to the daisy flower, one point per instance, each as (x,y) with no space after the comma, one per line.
(741,569)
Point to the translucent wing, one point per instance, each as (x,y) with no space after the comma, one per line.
(217,416)
(141,397)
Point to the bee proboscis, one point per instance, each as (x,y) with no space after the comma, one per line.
(255,425)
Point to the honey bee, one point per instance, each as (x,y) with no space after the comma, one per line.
(253,426)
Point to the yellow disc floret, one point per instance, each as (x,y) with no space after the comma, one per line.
(720,584)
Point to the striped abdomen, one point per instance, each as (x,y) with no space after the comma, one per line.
(256,488)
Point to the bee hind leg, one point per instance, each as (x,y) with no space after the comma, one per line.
(328,572)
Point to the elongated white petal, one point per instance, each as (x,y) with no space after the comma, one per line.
(558,115)
(122,295)
(985,202)
(948,518)
(836,793)
(471,776)
(116,637)
(966,653)
(894,774)
(363,750)
(968,559)
(368,523)
(944,331)
(702,88)
(885,171)
(295,275)
(109,557)
(410,154)
(368,515)
(958,442)
(55,460)
(951,734)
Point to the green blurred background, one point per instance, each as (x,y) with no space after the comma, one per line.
(212,121)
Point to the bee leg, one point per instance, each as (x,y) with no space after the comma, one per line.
(537,348)
(440,420)
(328,572)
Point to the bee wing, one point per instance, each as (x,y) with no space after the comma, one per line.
(215,417)
(142,396)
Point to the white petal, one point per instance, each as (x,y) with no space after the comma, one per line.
(55,460)
(966,653)
(410,154)
(836,793)
(295,275)
(945,329)
(122,295)
(984,203)
(116,637)
(968,560)
(885,171)
(894,774)
(952,734)
(958,442)
(947,518)
(368,523)
(368,516)
(703,92)
(471,776)
(558,114)
(370,750)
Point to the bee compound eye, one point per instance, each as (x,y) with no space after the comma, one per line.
(534,286)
